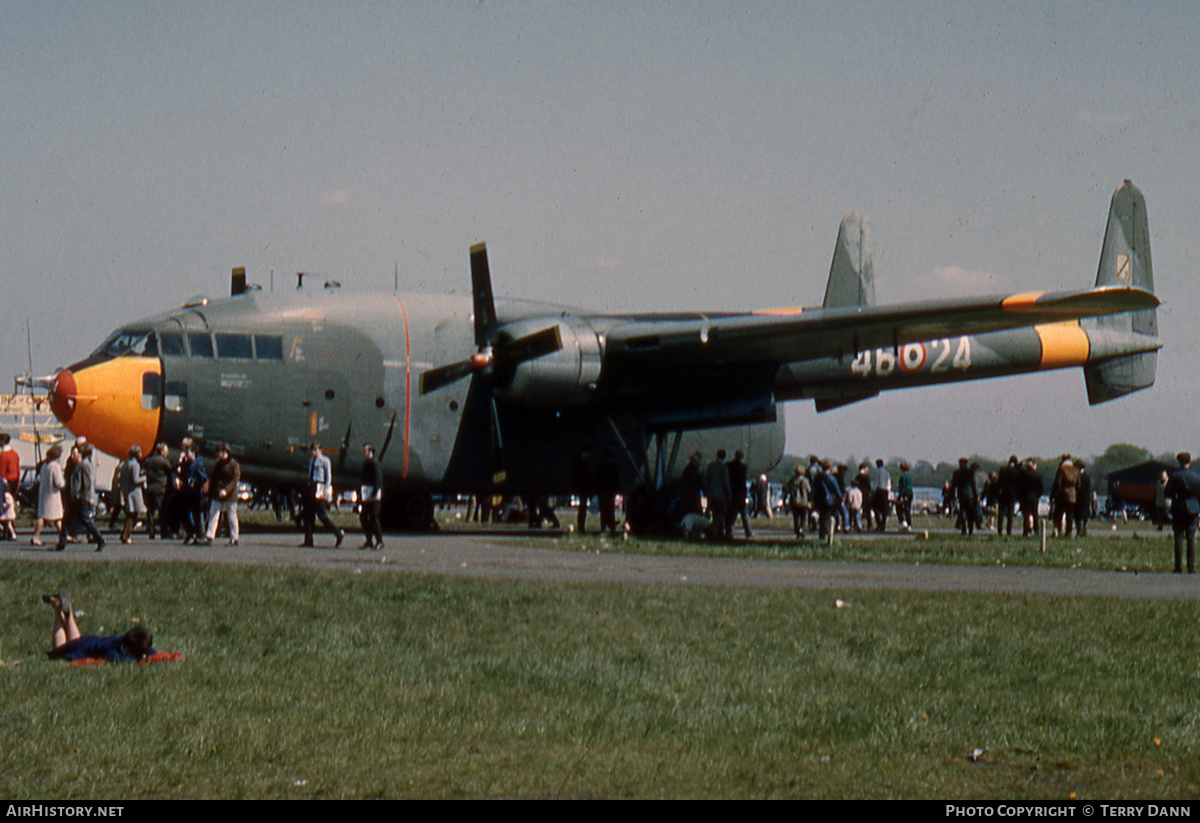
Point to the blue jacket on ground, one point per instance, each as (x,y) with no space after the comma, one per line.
(94,647)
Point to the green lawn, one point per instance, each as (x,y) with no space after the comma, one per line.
(1126,549)
(304,684)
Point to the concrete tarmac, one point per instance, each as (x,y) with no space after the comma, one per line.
(508,556)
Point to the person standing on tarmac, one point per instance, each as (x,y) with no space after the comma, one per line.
(1184,490)
(222,495)
(582,485)
(370,499)
(318,494)
(737,496)
(716,487)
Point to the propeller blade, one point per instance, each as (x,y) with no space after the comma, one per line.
(481,292)
(529,347)
(499,475)
(435,379)
(487,333)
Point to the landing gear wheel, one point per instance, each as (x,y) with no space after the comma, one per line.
(656,513)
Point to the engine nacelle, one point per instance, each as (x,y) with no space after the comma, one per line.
(566,377)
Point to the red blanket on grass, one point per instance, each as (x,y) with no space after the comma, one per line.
(158,657)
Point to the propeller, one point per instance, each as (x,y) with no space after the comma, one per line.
(496,356)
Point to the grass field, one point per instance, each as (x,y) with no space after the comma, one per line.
(303,684)
(1131,547)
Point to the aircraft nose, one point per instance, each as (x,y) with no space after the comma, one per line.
(114,404)
(62,395)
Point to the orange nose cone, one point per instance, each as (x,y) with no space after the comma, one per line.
(62,396)
(114,404)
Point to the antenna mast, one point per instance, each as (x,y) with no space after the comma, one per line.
(37,438)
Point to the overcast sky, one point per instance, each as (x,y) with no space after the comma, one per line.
(618,156)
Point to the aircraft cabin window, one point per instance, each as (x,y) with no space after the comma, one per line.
(170,343)
(176,397)
(268,347)
(151,390)
(234,347)
(200,344)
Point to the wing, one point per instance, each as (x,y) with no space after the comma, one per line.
(793,335)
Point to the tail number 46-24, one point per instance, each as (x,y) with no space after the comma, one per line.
(938,355)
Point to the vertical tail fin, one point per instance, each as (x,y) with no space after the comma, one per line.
(851,283)
(1124,261)
(852,273)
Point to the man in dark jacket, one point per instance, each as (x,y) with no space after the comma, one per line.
(158,474)
(827,498)
(737,496)
(967,493)
(1083,500)
(1007,495)
(370,499)
(691,485)
(82,487)
(1184,490)
(1030,488)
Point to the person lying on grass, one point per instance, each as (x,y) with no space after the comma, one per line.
(68,644)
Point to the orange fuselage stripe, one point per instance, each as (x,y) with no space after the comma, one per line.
(1063,344)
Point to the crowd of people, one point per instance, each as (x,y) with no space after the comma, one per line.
(718,492)
(825,499)
(164,498)
(169,499)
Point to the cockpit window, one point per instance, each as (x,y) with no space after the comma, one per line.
(200,344)
(171,343)
(130,343)
(234,347)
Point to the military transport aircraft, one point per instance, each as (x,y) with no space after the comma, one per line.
(474,395)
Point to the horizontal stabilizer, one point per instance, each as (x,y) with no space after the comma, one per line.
(1119,376)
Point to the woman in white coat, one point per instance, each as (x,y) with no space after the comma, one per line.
(51,482)
(133,481)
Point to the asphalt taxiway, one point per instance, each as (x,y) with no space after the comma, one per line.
(509,556)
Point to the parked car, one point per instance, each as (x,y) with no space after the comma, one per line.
(27,488)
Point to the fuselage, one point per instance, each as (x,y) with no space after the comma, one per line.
(271,373)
